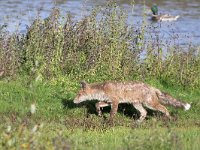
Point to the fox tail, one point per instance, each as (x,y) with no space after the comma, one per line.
(167,99)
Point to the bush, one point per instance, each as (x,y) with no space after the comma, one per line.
(100,46)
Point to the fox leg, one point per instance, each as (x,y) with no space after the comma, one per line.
(99,105)
(142,111)
(114,108)
(160,108)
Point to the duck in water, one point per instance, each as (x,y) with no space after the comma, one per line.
(161,17)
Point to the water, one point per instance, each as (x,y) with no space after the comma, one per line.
(17,14)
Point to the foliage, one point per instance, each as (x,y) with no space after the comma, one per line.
(100,46)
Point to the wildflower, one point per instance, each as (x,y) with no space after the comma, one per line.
(33,108)
(35,128)
(8,129)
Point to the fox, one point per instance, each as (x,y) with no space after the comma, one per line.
(139,94)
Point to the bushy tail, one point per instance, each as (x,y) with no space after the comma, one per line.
(167,99)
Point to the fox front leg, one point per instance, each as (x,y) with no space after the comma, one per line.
(114,108)
(99,105)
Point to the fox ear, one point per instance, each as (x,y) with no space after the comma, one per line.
(83,84)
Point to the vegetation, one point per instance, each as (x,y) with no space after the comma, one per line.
(40,74)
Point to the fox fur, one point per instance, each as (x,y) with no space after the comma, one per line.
(138,94)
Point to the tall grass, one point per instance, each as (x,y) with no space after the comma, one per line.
(99,46)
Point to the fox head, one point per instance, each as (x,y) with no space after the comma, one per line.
(84,93)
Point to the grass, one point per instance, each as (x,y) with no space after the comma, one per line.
(43,68)
(59,124)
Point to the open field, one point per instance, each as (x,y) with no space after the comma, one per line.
(58,123)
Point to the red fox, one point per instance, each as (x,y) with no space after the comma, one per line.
(136,93)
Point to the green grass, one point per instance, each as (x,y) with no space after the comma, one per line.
(58,123)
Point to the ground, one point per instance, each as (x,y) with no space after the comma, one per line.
(58,123)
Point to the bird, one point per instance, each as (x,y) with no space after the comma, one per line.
(161,17)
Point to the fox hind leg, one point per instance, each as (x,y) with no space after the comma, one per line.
(160,108)
(99,105)
(142,111)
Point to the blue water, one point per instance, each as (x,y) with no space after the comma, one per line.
(17,14)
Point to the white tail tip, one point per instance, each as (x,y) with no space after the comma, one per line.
(187,106)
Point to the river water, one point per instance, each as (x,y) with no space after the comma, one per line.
(17,14)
